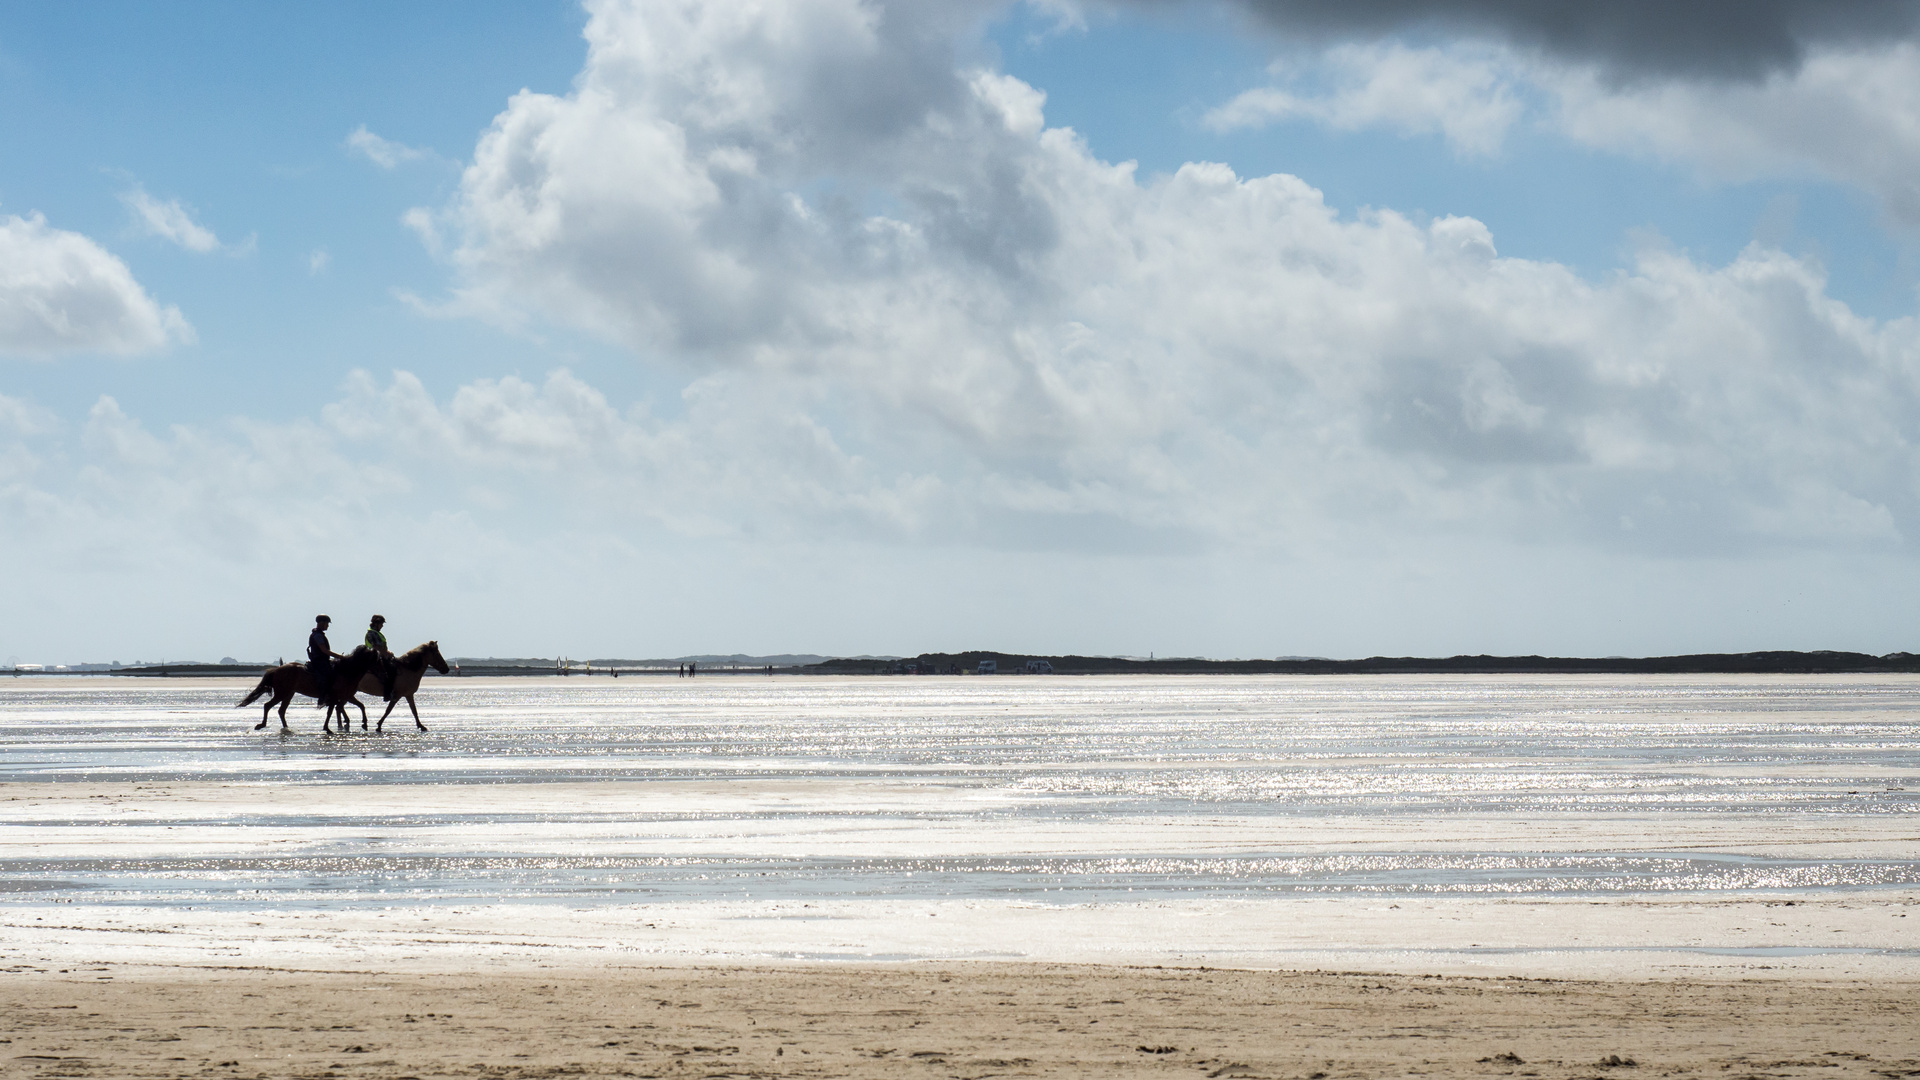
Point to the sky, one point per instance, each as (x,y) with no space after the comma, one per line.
(1236,328)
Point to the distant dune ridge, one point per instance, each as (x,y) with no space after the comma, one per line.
(1780,662)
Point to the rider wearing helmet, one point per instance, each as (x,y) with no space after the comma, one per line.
(377,641)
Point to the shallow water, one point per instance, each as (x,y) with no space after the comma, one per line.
(1051,790)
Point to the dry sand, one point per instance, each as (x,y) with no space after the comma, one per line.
(972,1020)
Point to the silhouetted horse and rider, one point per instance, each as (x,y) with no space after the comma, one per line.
(332,680)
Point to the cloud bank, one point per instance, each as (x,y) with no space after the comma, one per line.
(1732,92)
(995,336)
(1695,39)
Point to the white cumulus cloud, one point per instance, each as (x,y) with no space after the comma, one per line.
(1463,94)
(61,292)
(382,152)
(1851,115)
(169,221)
(1846,113)
(907,308)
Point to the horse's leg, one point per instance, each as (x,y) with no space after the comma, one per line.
(266,710)
(416,714)
(363,712)
(384,715)
(284,702)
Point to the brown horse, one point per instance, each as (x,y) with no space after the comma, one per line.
(409,668)
(285,681)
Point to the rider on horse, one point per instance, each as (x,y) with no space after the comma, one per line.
(320,658)
(377,641)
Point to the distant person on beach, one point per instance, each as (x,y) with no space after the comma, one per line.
(320,658)
(377,641)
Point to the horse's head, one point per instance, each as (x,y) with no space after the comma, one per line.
(433,657)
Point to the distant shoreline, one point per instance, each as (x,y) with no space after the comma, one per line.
(1752,663)
(1820,662)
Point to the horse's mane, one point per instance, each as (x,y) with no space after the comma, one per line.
(415,659)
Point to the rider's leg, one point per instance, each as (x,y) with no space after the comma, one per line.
(322,672)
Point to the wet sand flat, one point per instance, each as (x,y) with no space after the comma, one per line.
(1552,878)
(968,1020)
(1841,937)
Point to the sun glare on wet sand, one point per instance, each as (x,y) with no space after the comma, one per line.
(795,876)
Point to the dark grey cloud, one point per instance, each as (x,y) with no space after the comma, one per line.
(1708,39)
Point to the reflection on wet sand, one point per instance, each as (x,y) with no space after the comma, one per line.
(1241,796)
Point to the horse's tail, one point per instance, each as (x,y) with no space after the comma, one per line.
(265,687)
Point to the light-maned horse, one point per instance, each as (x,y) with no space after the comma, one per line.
(409,668)
(285,681)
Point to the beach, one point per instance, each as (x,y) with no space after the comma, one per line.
(971,1020)
(1259,876)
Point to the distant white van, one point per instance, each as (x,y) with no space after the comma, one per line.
(1039,667)
(988,667)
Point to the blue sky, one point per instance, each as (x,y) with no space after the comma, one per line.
(241,111)
(840,327)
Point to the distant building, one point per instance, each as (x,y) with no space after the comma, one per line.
(988,667)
